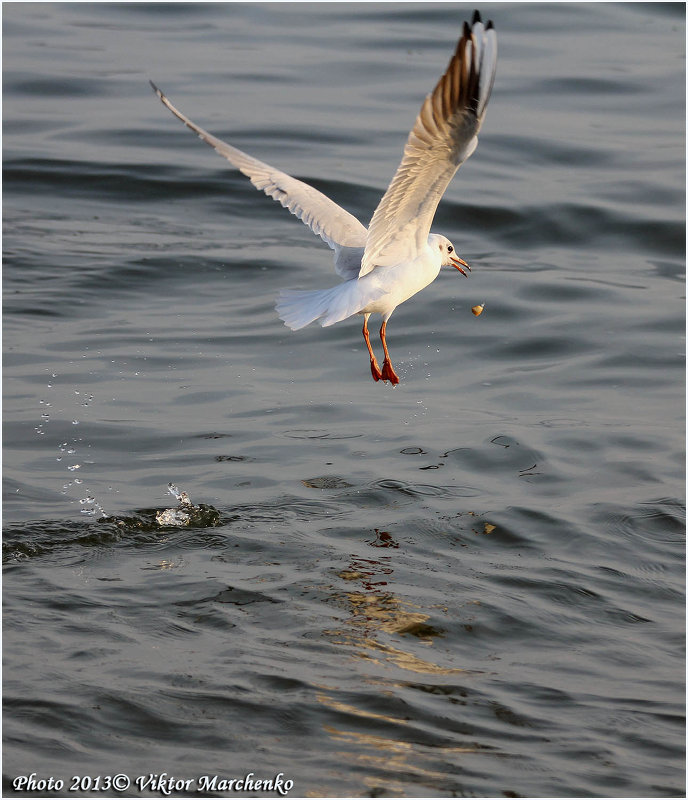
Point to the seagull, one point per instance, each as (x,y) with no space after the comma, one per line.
(396,256)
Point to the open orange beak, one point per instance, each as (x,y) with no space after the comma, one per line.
(455,263)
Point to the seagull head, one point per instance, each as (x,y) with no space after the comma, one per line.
(449,256)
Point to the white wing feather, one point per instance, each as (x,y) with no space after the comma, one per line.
(341,230)
(443,137)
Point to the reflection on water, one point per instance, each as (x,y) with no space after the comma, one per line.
(380,757)
(377,620)
(374,612)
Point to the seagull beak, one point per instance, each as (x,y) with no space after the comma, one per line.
(455,263)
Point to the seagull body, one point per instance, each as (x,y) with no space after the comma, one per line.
(385,264)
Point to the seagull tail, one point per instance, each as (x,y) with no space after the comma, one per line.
(299,308)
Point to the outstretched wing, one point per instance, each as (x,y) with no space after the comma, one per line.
(442,138)
(323,216)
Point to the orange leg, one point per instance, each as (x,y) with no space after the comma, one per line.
(388,373)
(374,368)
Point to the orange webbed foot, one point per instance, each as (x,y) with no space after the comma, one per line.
(388,373)
(375,370)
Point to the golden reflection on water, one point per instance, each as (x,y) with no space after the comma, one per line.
(374,611)
(167,564)
(387,612)
(386,631)
(375,752)
(389,756)
(347,708)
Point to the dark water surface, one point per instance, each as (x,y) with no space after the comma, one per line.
(468,585)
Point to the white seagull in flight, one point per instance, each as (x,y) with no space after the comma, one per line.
(396,256)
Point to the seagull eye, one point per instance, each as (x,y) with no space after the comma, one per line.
(450,249)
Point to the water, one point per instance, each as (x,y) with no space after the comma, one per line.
(468,585)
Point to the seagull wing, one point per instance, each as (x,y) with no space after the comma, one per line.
(323,216)
(442,138)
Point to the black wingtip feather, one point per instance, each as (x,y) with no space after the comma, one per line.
(155,89)
(489,25)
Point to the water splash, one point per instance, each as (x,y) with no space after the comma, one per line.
(89,504)
(176,516)
(94,509)
(182,497)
